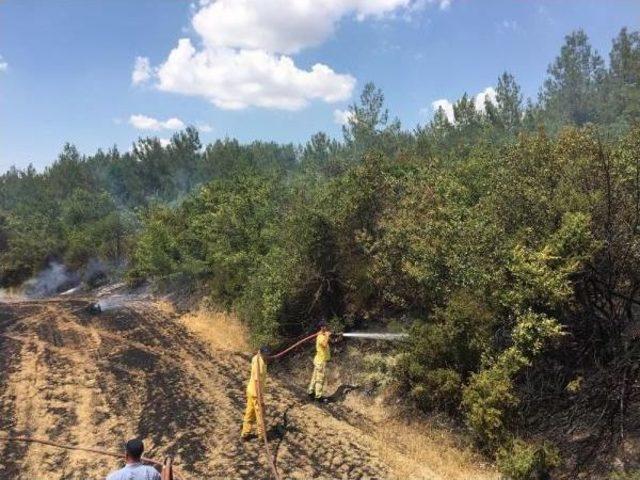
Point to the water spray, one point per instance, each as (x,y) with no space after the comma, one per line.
(71,291)
(115,301)
(378,336)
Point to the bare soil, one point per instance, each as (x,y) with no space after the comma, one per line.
(96,380)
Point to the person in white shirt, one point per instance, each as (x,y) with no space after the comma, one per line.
(134,469)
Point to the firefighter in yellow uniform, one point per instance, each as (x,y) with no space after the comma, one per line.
(257,383)
(323,355)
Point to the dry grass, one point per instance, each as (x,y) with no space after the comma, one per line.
(418,450)
(165,306)
(410,448)
(221,331)
(413,448)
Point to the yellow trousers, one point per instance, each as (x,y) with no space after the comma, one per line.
(316,385)
(252,414)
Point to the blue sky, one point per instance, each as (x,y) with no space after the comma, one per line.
(245,69)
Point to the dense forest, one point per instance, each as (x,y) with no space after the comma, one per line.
(506,242)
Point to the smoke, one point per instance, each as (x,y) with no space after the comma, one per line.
(49,281)
(10,295)
(116,301)
(95,273)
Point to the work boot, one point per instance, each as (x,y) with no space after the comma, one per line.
(310,395)
(247,437)
(322,399)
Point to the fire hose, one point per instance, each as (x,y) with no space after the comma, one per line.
(168,472)
(372,336)
(270,459)
(287,350)
(263,427)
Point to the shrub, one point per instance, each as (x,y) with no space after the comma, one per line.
(523,461)
(441,355)
(489,399)
(378,370)
(488,402)
(440,388)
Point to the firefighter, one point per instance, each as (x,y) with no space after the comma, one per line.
(257,382)
(323,354)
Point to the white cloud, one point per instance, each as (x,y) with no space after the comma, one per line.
(142,122)
(164,142)
(243,54)
(342,117)
(205,128)
(282,26)
(141,71)
(3,65)
(446,105)
(444,4)
(235,79)
(509,25)
(488,93)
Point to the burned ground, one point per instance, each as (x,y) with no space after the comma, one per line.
(96,380)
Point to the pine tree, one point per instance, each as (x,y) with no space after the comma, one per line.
(570,92)
(508,103)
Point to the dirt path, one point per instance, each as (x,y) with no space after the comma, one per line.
(96,380)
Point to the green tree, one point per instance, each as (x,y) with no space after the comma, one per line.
(621,103)
(368,126)
(507,111)
(572,88)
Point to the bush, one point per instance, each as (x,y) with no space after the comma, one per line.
(379,369)
(440,388)
(441,355)
(489,401)
(524,461)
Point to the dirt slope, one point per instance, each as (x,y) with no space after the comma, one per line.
(96,380)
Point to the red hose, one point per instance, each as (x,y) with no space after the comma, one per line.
(287,350)
(272,464)
(10,438)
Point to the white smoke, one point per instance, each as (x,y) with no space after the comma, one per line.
(49,281)
(119,301)
(10,295)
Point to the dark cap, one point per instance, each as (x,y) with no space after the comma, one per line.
(264,350)
(134,448)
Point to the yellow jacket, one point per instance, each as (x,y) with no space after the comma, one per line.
(323,353)
(258,371)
